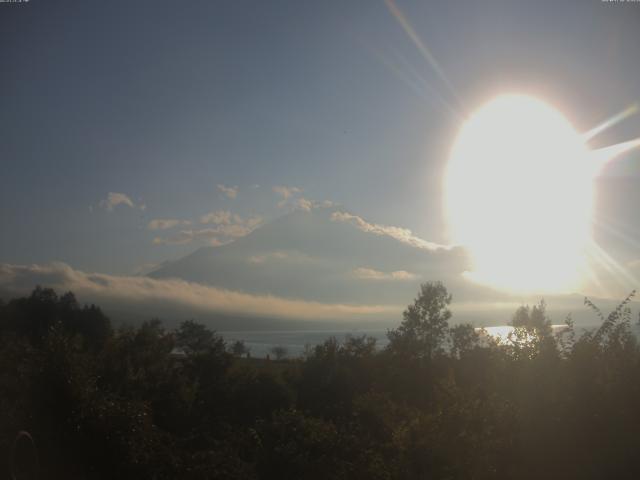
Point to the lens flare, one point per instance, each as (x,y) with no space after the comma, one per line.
(519,195)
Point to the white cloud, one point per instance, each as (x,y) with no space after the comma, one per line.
(403,235)
(291,257)
(371,274)
(166,223)
(187,236)
(230,192)
(253,222)
(114,199)
(227,227)
(218,217)
(234,231)
(403,275)
(156,295)
(286,193)
(260,259)
(290,196)
(303,204)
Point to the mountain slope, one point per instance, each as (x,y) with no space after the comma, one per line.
(311,256)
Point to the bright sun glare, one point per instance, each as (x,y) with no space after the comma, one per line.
(519,195)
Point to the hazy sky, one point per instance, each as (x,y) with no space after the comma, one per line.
(164,101)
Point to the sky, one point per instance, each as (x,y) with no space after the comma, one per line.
(117,115)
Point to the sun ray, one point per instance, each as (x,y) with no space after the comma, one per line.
(595,257)
(617,270)
(422,48)
(619,117)
(617,232)
(417,84)
(591,275)
(602,156)
(429,87)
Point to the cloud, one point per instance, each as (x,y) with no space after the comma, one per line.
(156,295)
(290,196)
(293,258)
(187,236)
(218,217)
(260,259)
(307,205)
(114,199)
(166,223)
(253,222)
(403,235)
(303,204)
(286,193)
(225,217)
(371,274)
(234,231)
(230,192)
(228,227)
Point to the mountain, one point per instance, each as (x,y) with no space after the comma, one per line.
(317,255)
(322,268)
(325,255)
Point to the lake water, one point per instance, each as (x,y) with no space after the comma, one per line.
(261,342)
(295,341)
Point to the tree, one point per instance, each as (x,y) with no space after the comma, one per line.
(463,339)
(239,349)
(194,338)
(425,323)
(535,317)
(279,352)
(358,347)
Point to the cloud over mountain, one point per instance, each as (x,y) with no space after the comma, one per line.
(321,264)
(155,295)
(401,234)
(228,226)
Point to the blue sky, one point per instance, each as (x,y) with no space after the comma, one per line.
(164,101)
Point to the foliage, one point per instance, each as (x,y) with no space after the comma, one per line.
(239,349)
(438,402)
(279,351)
(424,328)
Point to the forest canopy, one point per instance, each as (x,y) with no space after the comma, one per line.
(441,400)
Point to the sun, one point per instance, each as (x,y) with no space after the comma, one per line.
(519,195)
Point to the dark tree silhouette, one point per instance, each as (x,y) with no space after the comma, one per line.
(148,402)
(423,330)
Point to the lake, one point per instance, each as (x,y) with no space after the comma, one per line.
(295,341)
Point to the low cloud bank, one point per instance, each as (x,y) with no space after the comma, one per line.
(156,295)
(137,297)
